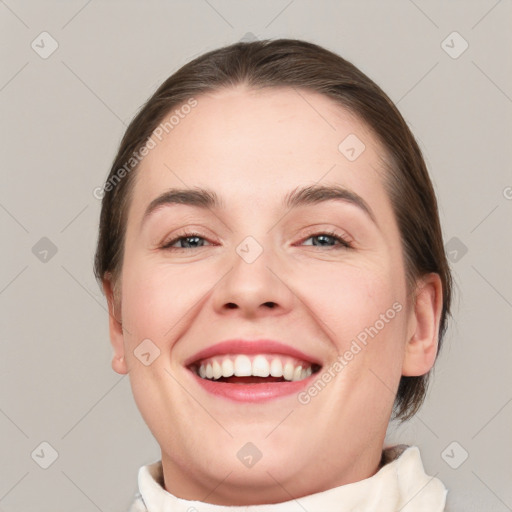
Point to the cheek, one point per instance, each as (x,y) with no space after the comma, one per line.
(363,314)
(158,297)
(147,304)
(349,299)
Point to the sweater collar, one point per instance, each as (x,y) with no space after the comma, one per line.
(400,484)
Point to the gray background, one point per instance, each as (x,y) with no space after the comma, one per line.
(62,119)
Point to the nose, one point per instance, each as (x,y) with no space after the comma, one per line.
(254,287)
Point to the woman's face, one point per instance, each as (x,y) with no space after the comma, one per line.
(256,267)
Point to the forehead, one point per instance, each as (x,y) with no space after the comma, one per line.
(254,146)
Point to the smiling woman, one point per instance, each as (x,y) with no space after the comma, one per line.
(276,278)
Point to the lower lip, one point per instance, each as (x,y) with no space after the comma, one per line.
(253,392)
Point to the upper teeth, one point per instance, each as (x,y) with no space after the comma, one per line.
(261,365)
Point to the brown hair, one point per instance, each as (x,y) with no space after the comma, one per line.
(303,65)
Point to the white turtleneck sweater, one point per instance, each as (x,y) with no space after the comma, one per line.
(401,484)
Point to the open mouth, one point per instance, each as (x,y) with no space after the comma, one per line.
(253,368)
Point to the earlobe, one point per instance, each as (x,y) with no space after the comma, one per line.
(119,365)
(115,328)
(422,342)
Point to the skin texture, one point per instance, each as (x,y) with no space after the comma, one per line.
(252,148)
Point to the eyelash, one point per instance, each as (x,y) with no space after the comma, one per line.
(344,243)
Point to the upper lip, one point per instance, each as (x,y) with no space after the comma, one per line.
(241,346)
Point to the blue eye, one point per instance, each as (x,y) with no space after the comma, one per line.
(192,239)
(325,236)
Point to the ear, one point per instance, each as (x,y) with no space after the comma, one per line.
(115,327)
(423,334)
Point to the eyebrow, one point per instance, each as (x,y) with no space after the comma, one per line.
(301,196)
